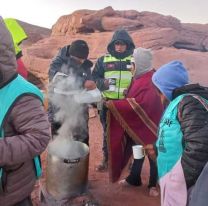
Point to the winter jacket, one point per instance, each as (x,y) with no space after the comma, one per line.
(65,64)
(100,67)
(26,131)
(193,118)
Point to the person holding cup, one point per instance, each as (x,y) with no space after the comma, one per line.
(182,144)
(113,75)
(133,121)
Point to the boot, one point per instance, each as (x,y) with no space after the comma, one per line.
(103,166)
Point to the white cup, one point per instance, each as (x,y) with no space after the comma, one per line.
(112,84)
(138,151)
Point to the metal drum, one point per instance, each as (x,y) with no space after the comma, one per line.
(67,176)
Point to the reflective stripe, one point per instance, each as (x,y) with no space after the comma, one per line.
(123,80)
(109,58)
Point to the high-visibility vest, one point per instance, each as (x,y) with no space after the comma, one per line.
(120,71)
(17,32)
(8,95)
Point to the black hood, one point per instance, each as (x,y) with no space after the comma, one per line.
(124,36)
(193,89)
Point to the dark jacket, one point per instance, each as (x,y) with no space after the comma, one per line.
(26,131)
(65,64)
(193,118)
(99,70)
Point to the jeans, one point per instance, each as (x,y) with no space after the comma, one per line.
(134,177)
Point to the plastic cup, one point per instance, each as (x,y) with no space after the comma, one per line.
(138,151)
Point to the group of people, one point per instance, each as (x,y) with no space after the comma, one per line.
(159,109)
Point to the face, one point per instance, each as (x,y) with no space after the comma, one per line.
(133,68)
(79,60)
(163,98)
(120,46)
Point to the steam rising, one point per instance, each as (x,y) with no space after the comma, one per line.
(68,112)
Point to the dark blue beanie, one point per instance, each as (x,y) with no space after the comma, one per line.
(169,77)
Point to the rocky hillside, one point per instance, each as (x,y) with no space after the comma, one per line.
(165,35)
(35,33)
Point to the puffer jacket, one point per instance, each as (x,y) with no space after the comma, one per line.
(26,132)
(193,118)
(99,70)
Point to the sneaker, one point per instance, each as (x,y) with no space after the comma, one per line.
(153,192)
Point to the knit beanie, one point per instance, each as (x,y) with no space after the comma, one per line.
(79,48)
(169,77)
(142,60)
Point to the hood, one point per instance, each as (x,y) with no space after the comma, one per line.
(7,56)
(193,89)
(123,35)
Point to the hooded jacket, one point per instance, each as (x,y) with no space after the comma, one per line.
(26,131)
(193,118)
(99,69)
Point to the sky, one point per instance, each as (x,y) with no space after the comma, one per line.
(46,12)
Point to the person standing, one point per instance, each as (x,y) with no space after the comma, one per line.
(72,60)
(182,145)
(18,35)
(134,120)
(113,74)
(24,129)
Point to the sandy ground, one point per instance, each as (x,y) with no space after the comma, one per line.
(101,190)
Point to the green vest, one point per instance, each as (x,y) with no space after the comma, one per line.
(17,32)
(120,70)
(169,143)
(8,96)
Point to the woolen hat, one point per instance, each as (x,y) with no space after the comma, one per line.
(169,77)
(79,48)
(142,60)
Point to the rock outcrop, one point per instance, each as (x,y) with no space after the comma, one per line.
(165,35)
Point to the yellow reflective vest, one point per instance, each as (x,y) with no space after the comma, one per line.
(120,71)
(17,32)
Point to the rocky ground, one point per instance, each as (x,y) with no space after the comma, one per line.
(100,189)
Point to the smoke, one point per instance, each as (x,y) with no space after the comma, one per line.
(69,113)
(66,149)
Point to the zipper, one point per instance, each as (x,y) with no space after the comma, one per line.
(119,80)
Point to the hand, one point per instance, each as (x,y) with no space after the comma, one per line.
(89,85)
(150,151)
(106,83)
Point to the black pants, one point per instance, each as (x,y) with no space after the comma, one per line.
(26,202)
(103,119)
(134,177)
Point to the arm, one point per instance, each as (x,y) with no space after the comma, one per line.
(193,118)
(98,75)
(30,123)
(57,62)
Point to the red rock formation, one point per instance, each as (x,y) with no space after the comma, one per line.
(169,39)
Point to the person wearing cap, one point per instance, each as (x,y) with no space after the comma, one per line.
(112,73)
(72,60)
(24,129)
(134,120)
(182,145)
